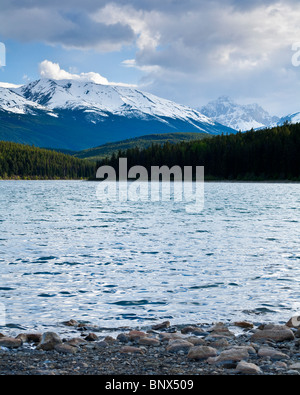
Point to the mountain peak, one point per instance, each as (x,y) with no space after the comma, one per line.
(237,116)
(82,114)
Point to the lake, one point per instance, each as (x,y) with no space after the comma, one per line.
(64,254)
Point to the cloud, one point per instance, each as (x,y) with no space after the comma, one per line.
(188,50)
(8,85)
(48,69)
(65,25)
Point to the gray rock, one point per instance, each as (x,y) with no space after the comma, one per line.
(219,329)
(295,366)
(202,352)
(49,341)
(162,325)
(131,350)
(294,322)
(293,372)
(10,342)
(65,348)
(76,341)
(272,353)
(196,341)
(278,333)
(179,345)
(91,337)
(244,324)
(71,323)
(123,338)
(232,355)
(247,368)
(192,329)
(30,337)
(170,336)
(149,341)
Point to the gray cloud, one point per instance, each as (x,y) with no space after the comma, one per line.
(66,23)
(190,50)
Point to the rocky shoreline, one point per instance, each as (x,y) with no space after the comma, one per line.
(240,348)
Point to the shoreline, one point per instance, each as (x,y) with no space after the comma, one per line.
(238,348)
(205,181)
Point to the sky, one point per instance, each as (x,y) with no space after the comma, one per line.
(188,51)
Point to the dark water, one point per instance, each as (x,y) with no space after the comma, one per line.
(64,254)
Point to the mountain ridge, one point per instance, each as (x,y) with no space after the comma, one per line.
(237,116)
(77,115)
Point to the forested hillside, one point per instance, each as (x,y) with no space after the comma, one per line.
(28,162)
(269,154)
(99,153)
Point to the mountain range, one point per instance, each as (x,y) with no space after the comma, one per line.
(76,115)
(239,117)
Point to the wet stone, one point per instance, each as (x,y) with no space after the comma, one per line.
(247,368)
(49,341)
(179,345)
(65,348)
(10,342)
(202,352)
(131,350)
(278,333)
(166,352)
(91,337)
(163,325)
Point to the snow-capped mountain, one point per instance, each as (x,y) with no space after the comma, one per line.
(239,117)
(103,99)
(291,118)
(14,103)
(74,114)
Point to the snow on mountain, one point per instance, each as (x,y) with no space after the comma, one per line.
(291,118)
(12,102)
(76,115)
(103,99)
(239,117)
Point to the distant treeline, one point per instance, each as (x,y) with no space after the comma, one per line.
(269,154)
(28,162)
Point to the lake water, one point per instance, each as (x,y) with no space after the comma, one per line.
(64,254)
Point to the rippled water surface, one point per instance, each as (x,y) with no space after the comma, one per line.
(64,254)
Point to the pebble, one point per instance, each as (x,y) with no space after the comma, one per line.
(123,338)
(30,337)
(71,323)
(171,351)
(76,341)
(132,350)
(48,341)
(163,325)
(196,341)
(220,330)
(219,342)
(294,322)
(65,348)
(149,341)
(247,368)
(169,336)
(136,335)
(295,366)
(91,337)
(272,353)
(278,333)
(192,329)
(244,324)
(10,342)
(202,352)
(231,355)
(177,345)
